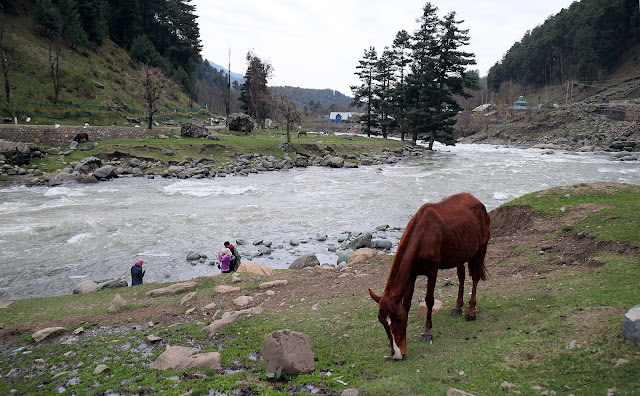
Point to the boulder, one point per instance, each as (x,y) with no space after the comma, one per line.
(344,257)
(289,351)
(383,244)
(61,178)
(15,153)
(631,325)
(194,130)
(422,308)
(44,333)
(211,360)
(105,172)
(171,289)
(361,255)
(363,241)
(88,165)
(172,356)
(86,286)
(336,162)
(228,318)
(187,297)
(117,303)
(240,122)
(243,301)
(255,268)
(111,284)
(304,261)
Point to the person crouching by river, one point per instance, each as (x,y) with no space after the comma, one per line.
(137,272)
(225,259)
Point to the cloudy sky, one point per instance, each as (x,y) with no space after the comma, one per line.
(317,44)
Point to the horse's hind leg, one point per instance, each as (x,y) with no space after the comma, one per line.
(457,311)
(477,271)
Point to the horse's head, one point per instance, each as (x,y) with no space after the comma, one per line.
(393,317)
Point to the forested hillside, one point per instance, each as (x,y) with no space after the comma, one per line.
(582,42)
(315,101)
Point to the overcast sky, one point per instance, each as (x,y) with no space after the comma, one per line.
(317,44)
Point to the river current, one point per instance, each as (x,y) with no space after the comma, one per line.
(53,238)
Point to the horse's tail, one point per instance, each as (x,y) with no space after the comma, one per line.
(481,271)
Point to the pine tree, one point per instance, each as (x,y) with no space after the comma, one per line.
(364,93)
(402,58)
(384,82)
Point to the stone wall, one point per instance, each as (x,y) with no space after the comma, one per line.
(620,111)
(64,135)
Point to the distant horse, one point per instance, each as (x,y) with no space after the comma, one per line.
(81,137)
(439,236)
(302,133)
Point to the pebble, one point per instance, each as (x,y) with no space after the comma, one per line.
(100,369)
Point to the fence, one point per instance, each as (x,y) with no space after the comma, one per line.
(84,110)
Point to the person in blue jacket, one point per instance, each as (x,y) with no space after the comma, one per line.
(137,272)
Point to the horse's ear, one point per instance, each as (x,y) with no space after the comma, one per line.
(375,297)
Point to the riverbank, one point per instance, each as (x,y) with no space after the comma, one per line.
(549,319)
(223,153)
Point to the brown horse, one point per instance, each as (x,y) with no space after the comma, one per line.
(302,133)
(439,236)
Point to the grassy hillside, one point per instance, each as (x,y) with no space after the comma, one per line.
(561,265)
(82,71)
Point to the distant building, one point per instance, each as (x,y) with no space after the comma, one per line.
(342,116)
(520,105)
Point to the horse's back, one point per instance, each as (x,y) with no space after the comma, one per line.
(452,230)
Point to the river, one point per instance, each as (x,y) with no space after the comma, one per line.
(53,238)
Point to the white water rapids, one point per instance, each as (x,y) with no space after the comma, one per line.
(53,238)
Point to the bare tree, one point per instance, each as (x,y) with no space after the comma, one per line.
(153,82)
(54,69)
(7,63)
(289,112)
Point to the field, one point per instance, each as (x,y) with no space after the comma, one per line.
(563,266)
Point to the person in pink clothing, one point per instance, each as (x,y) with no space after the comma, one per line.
(225,259)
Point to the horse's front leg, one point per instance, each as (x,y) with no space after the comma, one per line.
(457,311)
(431,285)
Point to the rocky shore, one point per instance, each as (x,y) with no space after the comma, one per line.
(93,169)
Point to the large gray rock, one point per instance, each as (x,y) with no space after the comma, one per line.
(88,165)
(173,289)
(228,318)
(105,172)
(336,162)
(62,178)
(362,241)
(15,153)
(240,122)
(631,325)
(182,358)
(307,260)
(289,351)
(193,130)
(86,286)
(44,333)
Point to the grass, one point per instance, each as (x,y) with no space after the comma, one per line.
(217,153)
(559,332)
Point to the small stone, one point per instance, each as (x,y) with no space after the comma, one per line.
(79,330)
(187,297)
(150,324)
(209,306)
(350,392)
(506,385)
(100,369)
(572,344)
(620,362)
(270,292)
(153,338)
(67,354)
(190,310)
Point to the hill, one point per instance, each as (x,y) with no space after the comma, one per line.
(559,261)
(326,99)
(103,75)
(235,77)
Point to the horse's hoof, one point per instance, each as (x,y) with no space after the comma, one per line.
(426,337)
(469,317)
(456,312)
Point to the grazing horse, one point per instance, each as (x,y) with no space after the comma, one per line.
(440,235)
(81,137)
(302,133)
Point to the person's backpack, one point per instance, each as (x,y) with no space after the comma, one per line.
(236,260)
